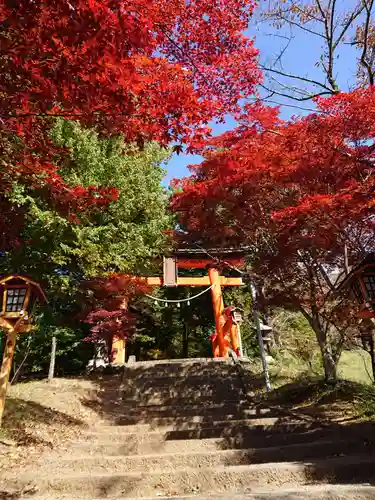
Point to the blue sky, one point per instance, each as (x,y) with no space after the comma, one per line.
(300,58)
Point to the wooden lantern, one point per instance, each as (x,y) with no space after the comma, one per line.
(359,284)
(18,295)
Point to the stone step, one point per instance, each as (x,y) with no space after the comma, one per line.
(179,371)
(188,402)
(279,432)
(181,374)
(192,409)
(155,382)
(137,446)
(205,459)
(206,480)
(180,362)
(181,420)
(176,367)
(170,392)
(176,399)
(167,390)
(147,414)
(195,424)
(220,437)
(312,492)
(180,390)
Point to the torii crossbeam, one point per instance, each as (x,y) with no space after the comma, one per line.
(213,260)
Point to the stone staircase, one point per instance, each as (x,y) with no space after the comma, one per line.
(189,429)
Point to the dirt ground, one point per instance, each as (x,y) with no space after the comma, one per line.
(41,415)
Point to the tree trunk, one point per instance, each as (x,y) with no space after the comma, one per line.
(372,354)
(185,342)
(366,328)
(329,362)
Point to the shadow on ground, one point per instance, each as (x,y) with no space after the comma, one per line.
(21,419)
(214,401)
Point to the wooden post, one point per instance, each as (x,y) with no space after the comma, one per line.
(218,306)
(240,346)
(260,338)
(51,371)
(346,259)
(10,346)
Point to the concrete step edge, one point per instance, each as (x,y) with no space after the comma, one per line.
(205,425)
(162,426)
(188,402)
(204,375)
(224,453)
(255,494)
(356,460)
(241,404)
(178,420)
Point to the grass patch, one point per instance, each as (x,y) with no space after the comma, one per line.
(343,401)
(298,385)
(356,367)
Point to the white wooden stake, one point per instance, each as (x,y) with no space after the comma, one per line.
(51,371)
(260,338)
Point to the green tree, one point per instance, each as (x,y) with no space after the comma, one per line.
(124,237)
(131,231)
(172,331)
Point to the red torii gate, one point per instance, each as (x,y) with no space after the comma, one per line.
(226,335)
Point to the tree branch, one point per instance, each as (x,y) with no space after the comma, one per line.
(363,59)
(295,6)
(278,103)
(328,28)
(282,52)
(294,23)
(296,77)
(289,87)
(347,25)
(299,99)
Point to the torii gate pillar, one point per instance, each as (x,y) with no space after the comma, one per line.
(118,351)
(218,306)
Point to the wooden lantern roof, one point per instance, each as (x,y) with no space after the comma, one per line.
(19,279)
(360,284)
(367,264)
(18,294)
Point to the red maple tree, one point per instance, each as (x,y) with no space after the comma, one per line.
(149,70)
(295,193)
(106,307)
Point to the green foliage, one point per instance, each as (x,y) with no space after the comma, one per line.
(131,231)
(124,237)
(295,341)
(172,331)
(355,366)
